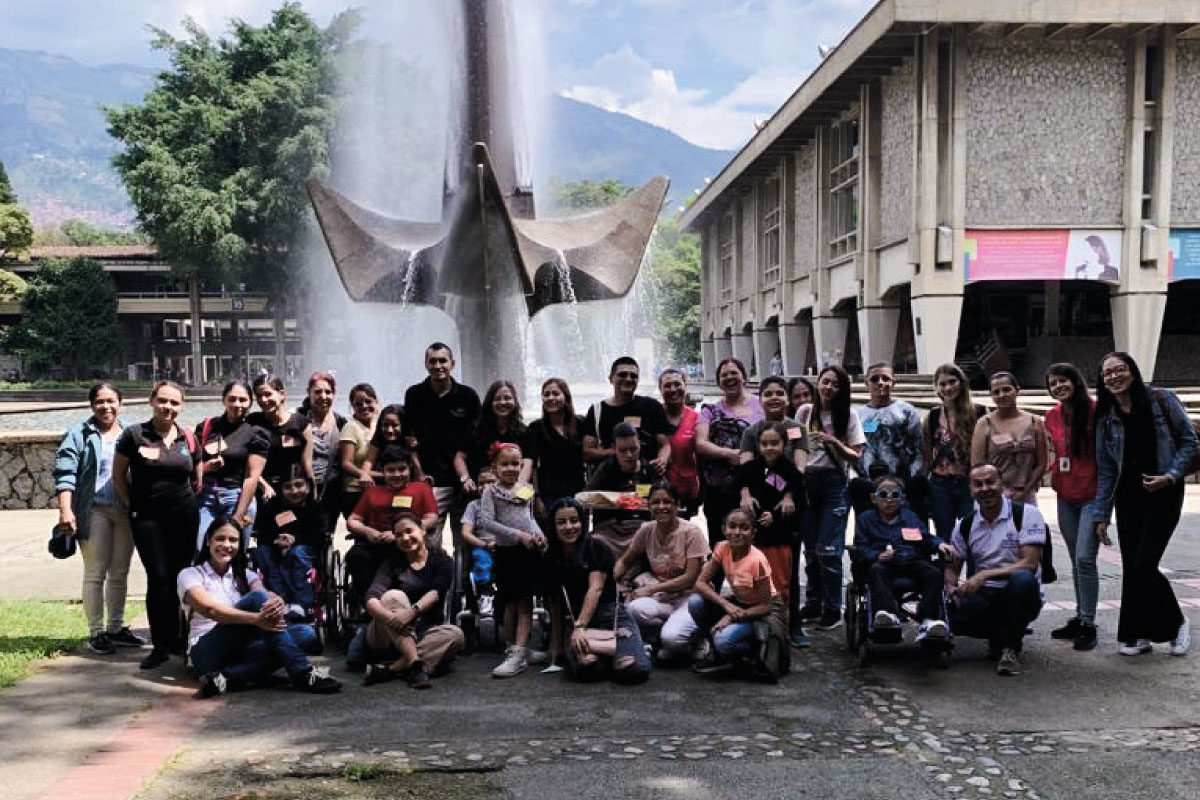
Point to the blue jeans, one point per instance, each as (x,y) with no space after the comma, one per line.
(949,501)
(629,646)
(1083,546)
(1000,614)
(286,574)
(735,639)
(218,501)
(825,537)
(246,652)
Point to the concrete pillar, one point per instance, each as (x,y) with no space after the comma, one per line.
(766,345)
(877,327)
(829,334)
(935,329)
(793,343)
(743,350)
(708,362)
(1137,325)
(722,349)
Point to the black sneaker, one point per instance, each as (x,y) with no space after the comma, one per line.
(101,644)
(211,685)
(377,673)
(809,611)
(829,620)
(126,638)
(1068,631)
(1086,638)
(711,666)
(315,681)
(155,658)
(416,676)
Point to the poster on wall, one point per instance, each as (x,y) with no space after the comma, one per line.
(1184,260)
(1042,255)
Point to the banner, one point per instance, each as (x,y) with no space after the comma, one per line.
(1042,255)
(1184,259)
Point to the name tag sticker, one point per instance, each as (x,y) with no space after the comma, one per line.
(642,489)
(911,534)
(149,452)
(524,493)
(870,426)
(401,501)
(1064,464)
(795,433)
(290,441)
(776,481)
(742,581)
(216,447)
(634,421)
(285,518)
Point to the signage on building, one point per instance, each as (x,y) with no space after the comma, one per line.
(1184,261)
(1043,255)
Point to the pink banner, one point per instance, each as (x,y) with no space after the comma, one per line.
(1044,255)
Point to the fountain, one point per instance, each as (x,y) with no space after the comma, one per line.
(488,263)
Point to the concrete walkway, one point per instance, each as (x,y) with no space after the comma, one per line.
(1073,725)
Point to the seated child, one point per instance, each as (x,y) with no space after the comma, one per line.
(289,532)
(482,543)
(890,542)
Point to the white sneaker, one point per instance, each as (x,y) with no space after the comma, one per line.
(932,629)
(1138,648)
(514,663)
(1182,640)
(886,619)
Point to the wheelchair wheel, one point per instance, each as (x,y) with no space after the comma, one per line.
(854,631)
(336,615)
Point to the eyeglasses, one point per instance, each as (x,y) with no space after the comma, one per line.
(1113,372)
(628,375)
(889,494)
(880,379)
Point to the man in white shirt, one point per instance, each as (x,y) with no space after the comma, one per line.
(1002,547)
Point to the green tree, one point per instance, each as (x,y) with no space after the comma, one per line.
(216,155)
(587,195)
(16,231)
(69,319)
(6,193)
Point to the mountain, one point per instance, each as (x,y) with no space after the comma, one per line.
(56,148)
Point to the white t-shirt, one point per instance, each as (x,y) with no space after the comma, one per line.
(998,544)
(818,456)
(222,587)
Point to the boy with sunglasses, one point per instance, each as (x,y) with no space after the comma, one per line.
(891,542)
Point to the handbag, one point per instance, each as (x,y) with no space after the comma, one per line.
(601,641)
(62,542)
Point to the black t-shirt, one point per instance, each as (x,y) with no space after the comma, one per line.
(574,572)
(479,442)
(609,477)
(557,459)
(305,522)
(644,413)
(1140,455)
(235,442)
(436,575)
(768,485)
(160,477)
(442,425)
(285,445)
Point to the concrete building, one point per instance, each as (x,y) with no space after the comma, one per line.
(983,180)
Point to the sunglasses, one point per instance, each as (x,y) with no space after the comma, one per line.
(631,375)
(889,494)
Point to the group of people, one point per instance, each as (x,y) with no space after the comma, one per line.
(591,514)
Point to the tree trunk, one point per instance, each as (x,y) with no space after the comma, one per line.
(197,375)
(280,309)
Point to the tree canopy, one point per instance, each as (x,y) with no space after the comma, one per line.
(6,193)
(81,232)
(16,231)
(69,319)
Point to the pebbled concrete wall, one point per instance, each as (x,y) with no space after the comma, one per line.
(898,92)
(1185,182)
(806,209)
(27,467)
(1045,131)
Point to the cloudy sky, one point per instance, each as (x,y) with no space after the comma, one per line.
(705,69)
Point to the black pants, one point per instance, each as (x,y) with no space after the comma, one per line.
(881,576)
(1000,614)
(718,503)
(164,543)
(362,561)
(1145,522)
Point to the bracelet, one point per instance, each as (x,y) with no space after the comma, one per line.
(464,478)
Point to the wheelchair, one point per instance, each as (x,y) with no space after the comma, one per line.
(471,605)
(863,639)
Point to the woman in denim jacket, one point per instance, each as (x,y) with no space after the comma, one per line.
(1144,442)
(88,507)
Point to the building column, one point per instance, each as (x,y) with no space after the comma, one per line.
(793,344)
(766,345)
(935,329)
(829,335)
(877,327)
(1137,325)
(743,350)
(722,349)
(707,362)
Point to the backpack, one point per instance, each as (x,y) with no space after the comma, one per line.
(1193,466)
(772,656)
(1018,517)
(724,431)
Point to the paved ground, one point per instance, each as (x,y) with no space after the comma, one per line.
(1073,725)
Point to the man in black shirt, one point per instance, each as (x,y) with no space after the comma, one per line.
(643,413)
(625,471)
(442,412)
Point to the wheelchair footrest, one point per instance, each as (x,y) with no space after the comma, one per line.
(892,635)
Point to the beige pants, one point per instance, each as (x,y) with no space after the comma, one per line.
(106,555)
(436,648)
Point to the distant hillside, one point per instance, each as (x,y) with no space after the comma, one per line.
(55,146)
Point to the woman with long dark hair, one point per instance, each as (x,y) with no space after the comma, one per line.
(718,443)
(683,473)
(1013,441)
(835,442)
(947,433)
(555,444)
(800,392)
(289,435)
(1144,446)
(233,454)
(1071,428)
(500,420)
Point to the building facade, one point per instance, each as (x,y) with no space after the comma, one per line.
(997,182)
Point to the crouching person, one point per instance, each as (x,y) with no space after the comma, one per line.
(1001,544)
(407,635)
(237,632)
(603,640)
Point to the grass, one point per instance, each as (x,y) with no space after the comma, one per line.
(34,629)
